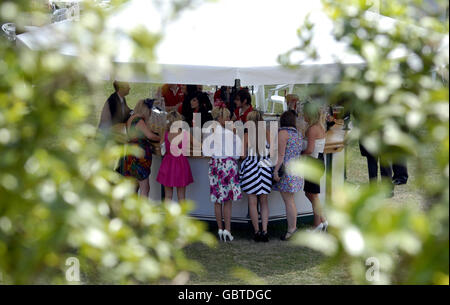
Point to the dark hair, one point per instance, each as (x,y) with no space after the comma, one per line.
(191,89)
(186,106)
(243,94)
(204,100)
(203,110)
(287,119)
(223,94)
(116,85)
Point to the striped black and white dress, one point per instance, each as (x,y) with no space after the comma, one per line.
(256,173)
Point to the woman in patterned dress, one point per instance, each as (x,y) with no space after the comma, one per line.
(256,175)
(139,134)
(223,171)
(289,148)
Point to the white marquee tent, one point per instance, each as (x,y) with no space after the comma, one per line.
(219,42)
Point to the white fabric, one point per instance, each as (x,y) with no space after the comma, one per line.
(319,146)
(122,103)
(222,143)
(219,42)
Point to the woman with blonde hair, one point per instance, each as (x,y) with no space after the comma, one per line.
(256,175)
(314,147)
(175,170)
(223,172)
(139,134)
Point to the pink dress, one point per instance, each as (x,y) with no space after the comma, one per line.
(175,171)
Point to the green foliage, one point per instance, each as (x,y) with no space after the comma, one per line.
(59,195)
(400,109)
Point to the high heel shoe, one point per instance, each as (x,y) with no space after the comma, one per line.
(226,234)
(257,236)
(288,235)
(325,226)
(220,233)
(264,237)
(319,228)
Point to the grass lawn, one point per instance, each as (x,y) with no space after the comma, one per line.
(275,262)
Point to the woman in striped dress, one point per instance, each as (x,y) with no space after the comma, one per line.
(256,174)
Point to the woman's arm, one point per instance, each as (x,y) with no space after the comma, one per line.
(147,132)
(272,141)
(283,137)
(268,137)
(311,138)
(245,146)
(194,142)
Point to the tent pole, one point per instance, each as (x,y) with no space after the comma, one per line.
(237,84)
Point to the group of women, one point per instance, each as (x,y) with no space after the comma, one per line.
(232,173)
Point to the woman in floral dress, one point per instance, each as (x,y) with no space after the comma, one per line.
(289,148)
(139,134)
(224,171)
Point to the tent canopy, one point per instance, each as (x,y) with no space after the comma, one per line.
(219,42)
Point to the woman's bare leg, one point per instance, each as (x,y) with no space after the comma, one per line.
(264,205)
(168,192)
(317,209)
(253,209)
(181,193)
(291,210)
(144,188)
(218,213)
(227,215)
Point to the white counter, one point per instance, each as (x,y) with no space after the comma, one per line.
(198,192)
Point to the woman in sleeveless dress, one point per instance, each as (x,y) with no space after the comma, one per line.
(223,171)
(256,176)
(314,147)
(139,134)
(175,170)
(289,149)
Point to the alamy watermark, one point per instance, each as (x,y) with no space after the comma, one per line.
(212,138)
(73,270)
(373,272)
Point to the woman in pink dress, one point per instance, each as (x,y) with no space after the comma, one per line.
(175,170)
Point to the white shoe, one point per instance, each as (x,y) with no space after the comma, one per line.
(325,225)
(319,228)
(220,233)
(226,234)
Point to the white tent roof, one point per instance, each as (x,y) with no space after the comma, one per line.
(219,42)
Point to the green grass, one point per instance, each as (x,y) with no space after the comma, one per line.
(276,262)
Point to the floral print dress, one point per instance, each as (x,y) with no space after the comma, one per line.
(291,183)
(223,169)
(132,166)
(224,180)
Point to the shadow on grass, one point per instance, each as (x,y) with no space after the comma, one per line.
(275,262)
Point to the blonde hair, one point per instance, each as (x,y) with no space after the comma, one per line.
(220,112)
(312,112)
(173,117)
(255,116)
(141,109)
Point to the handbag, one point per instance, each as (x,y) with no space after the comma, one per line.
(281,172)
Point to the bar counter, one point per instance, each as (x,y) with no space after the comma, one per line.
(198,191)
